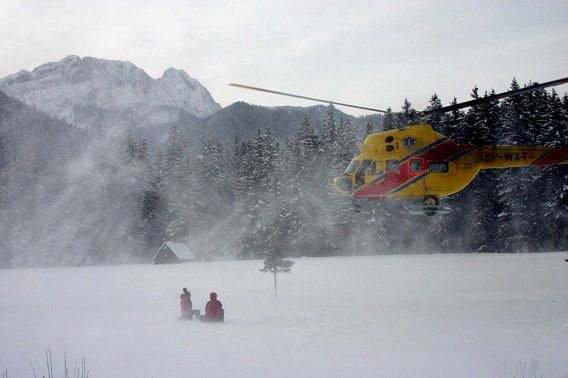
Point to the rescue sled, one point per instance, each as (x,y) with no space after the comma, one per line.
(184,318)
(208,320)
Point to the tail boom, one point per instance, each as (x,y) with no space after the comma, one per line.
(519,156)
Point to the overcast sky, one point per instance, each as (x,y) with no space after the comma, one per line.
(371,53)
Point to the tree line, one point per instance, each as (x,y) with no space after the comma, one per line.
(262,195)
(87,198)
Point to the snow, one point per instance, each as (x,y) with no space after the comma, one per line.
(459,315)
(66,88)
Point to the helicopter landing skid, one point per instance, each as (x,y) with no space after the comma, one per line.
(429,210)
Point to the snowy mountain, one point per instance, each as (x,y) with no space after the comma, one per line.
(88,91)
(241,120)
(115,94)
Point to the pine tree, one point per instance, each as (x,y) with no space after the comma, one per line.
(512,117)
(329,138)
(278,212)
(532,181)
(454,125)
(561,194)
(408,115)
(175,171)
(243,169)
(128,151)
(303,191)
(368,129)
(389,122)
(346,144)
(274,263)
(264,158)
(553,226)
(306,143)
(513,221)
(174,159)
(212,168)
(260,207)
(435,119)
(483,120)
(152,225)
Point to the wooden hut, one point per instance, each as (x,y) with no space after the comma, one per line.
(172,252)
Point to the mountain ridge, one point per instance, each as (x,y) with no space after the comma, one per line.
(86,91)
(241,120)
(119,96)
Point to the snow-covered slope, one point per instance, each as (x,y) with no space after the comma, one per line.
(241,120)
(454,315)
(85,91)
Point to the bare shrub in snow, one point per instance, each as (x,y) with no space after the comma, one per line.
(79,369)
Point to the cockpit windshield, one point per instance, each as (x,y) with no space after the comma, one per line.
(352,167)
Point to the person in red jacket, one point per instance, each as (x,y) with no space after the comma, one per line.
(187,311)
(213,310)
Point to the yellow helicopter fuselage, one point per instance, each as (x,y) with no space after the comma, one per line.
(417,161)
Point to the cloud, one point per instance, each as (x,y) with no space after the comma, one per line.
(367,52)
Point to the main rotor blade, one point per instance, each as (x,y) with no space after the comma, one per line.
(305,97)
(497,96)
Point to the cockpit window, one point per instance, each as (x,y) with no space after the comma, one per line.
(374,170)
(352,167)
(360,176)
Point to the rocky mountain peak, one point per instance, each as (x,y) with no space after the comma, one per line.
(85,90)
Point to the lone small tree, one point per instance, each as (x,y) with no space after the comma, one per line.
(276,264)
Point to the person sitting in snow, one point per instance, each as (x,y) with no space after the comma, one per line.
(187,311)
(213,310)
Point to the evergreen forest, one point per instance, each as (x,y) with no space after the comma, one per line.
(78,199)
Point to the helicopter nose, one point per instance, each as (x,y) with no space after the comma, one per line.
(344,184)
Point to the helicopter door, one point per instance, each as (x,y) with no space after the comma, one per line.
(415,168)
(392,166)
(360,176)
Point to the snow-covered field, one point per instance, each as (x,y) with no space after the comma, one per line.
(405,316)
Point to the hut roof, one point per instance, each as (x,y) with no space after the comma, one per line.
(179,249)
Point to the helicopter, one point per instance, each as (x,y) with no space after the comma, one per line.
(419,164)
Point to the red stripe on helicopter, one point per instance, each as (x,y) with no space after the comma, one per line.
(393,180)
(552,157)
